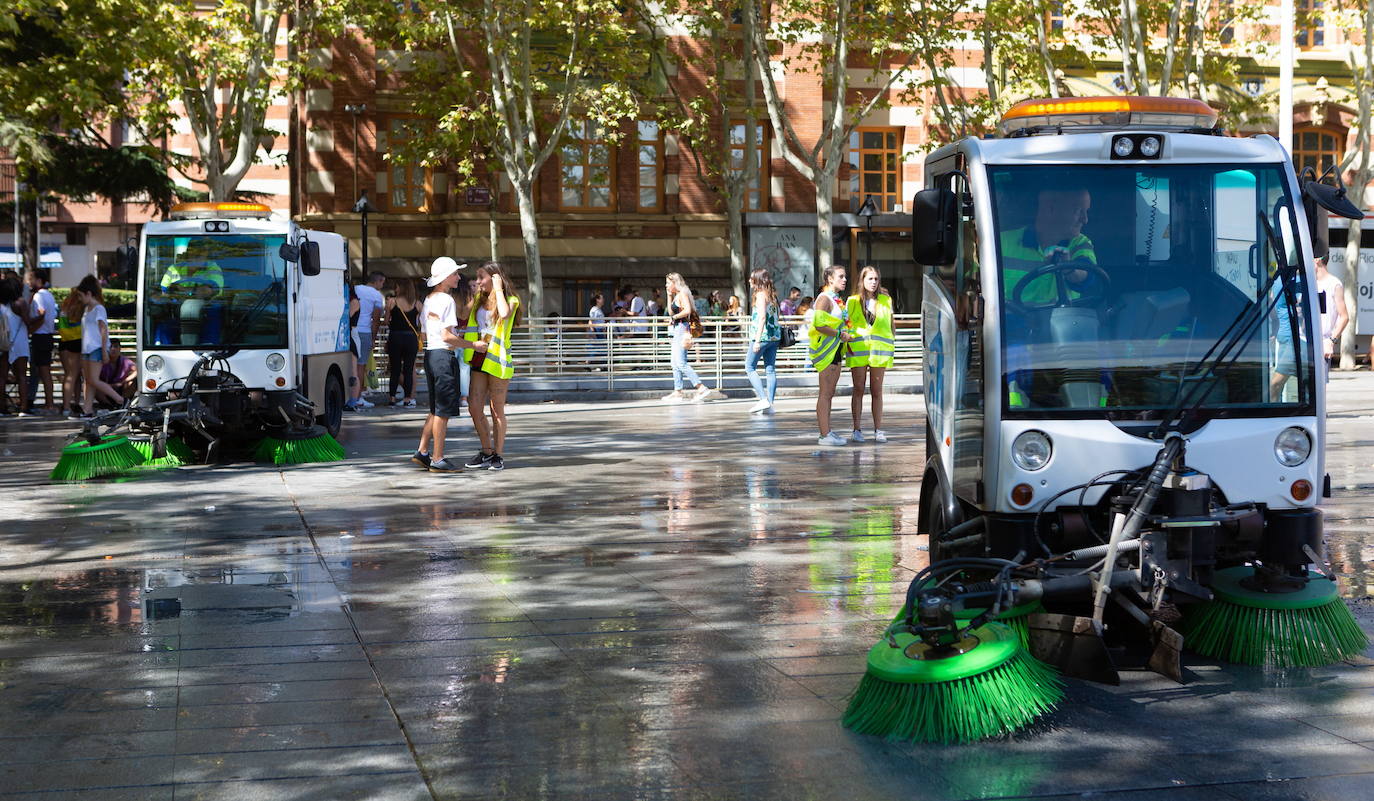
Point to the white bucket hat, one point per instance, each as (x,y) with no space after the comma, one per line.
(442,268)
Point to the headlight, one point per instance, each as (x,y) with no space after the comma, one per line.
(1292,446)
(1031,450)
(275,362)
(1123,147)
(153,364)
(1149,147)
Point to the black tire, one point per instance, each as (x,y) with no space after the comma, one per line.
(332,419)
(932,517)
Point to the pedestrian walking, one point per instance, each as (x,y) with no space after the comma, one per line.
(495,310)
(734,313)
(42,326)
(14,346)
(596,327)
(95,342)
(870,352)
(403,342)
(440,317)
(828,335)
(369,318)
(69,351)
(1334,313)
(680,310)
(765,331)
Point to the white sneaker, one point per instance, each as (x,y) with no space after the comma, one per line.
(365,403)
(832,439)
(879,435)
(715,394)
(703,394)
(857,436)
(761,407)
(768,410)
(676,396)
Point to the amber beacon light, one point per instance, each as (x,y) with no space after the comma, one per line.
(1115,113)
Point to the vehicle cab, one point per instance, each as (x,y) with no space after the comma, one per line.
(1087,276)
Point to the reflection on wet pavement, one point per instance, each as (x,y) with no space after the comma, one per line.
(649,603)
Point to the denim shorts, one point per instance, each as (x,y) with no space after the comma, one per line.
(97,356)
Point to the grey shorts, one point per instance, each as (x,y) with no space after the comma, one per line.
(365,340)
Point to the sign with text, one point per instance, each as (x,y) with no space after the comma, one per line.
(788,254)
(477,196)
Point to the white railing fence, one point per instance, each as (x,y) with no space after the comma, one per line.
(617,349)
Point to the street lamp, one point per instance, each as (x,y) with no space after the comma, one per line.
(867,210)
(363,207)
(357,110)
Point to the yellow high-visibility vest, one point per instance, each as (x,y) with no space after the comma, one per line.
(825,349)
(872,345)
(498,362)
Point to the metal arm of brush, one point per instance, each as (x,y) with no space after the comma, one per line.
(1130,529)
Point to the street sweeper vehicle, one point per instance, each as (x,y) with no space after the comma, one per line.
(1124,413)
(242,346)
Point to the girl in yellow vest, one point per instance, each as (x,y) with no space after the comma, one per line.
(495,309)
(872,348)
(828,335)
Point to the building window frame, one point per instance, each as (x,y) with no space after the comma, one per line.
(416,176)
(1318,147)
(756,197)
(1311,26)
(888,152)
(581,188)
(649,174)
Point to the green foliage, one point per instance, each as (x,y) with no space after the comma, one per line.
(81,169)
(112,296)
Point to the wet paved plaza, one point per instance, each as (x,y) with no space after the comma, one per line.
(650,602)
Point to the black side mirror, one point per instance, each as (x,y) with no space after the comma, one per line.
(310,258)
(934,217)
(289,252)
(1318,225)
(1319,198)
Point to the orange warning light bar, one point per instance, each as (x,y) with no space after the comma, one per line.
(1158,113)
(192,211)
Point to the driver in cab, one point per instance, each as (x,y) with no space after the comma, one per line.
(194,280)
(1054,238)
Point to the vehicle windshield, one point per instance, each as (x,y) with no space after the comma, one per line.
(1116,281)
(214,292)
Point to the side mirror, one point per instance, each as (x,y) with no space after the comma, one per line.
(310,258)
(289,252)
(1317,227)
(1319,198)
(934,218)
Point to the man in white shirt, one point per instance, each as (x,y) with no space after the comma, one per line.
(637,309)
(370,305)
(440,315)
(1334,313)
(42,325)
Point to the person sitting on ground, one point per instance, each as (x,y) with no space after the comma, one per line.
(119,371)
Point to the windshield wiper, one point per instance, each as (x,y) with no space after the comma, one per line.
(1228,347)
(265,297)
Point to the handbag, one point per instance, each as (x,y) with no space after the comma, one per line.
(787,337)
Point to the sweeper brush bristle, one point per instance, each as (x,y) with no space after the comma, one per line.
(1308,628)
(81,460)
(994,689)
(321,448)
(178,453)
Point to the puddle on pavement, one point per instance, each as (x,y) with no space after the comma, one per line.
(120,595)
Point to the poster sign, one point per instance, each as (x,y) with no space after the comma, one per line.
(477,196)
(788,254)
(1364,287)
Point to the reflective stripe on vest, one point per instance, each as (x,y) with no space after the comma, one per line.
(498,361)
(824,349)
(875,345)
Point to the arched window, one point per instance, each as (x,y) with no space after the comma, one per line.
(1317,148)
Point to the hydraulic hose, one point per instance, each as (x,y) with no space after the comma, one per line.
(1135,519)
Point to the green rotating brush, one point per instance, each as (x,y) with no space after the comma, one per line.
(1306,627)
(300,447)
(178,453)
(83,459)
(1016,618)
(983,685)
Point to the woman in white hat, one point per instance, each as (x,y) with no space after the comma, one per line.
(440,317)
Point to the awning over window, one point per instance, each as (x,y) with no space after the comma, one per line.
(49,258)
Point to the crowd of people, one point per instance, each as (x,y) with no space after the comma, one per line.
(94,372)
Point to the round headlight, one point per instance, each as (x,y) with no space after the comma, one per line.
(275,362)
(153,364)
(1123,147)
(1031,450)
(1292,446)
(1149,147)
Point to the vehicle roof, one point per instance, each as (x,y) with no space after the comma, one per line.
(1095,148)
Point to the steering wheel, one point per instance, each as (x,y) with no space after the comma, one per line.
(1060,271)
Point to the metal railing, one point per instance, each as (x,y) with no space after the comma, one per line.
(617,349)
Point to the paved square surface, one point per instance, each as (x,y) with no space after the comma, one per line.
(650,602)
